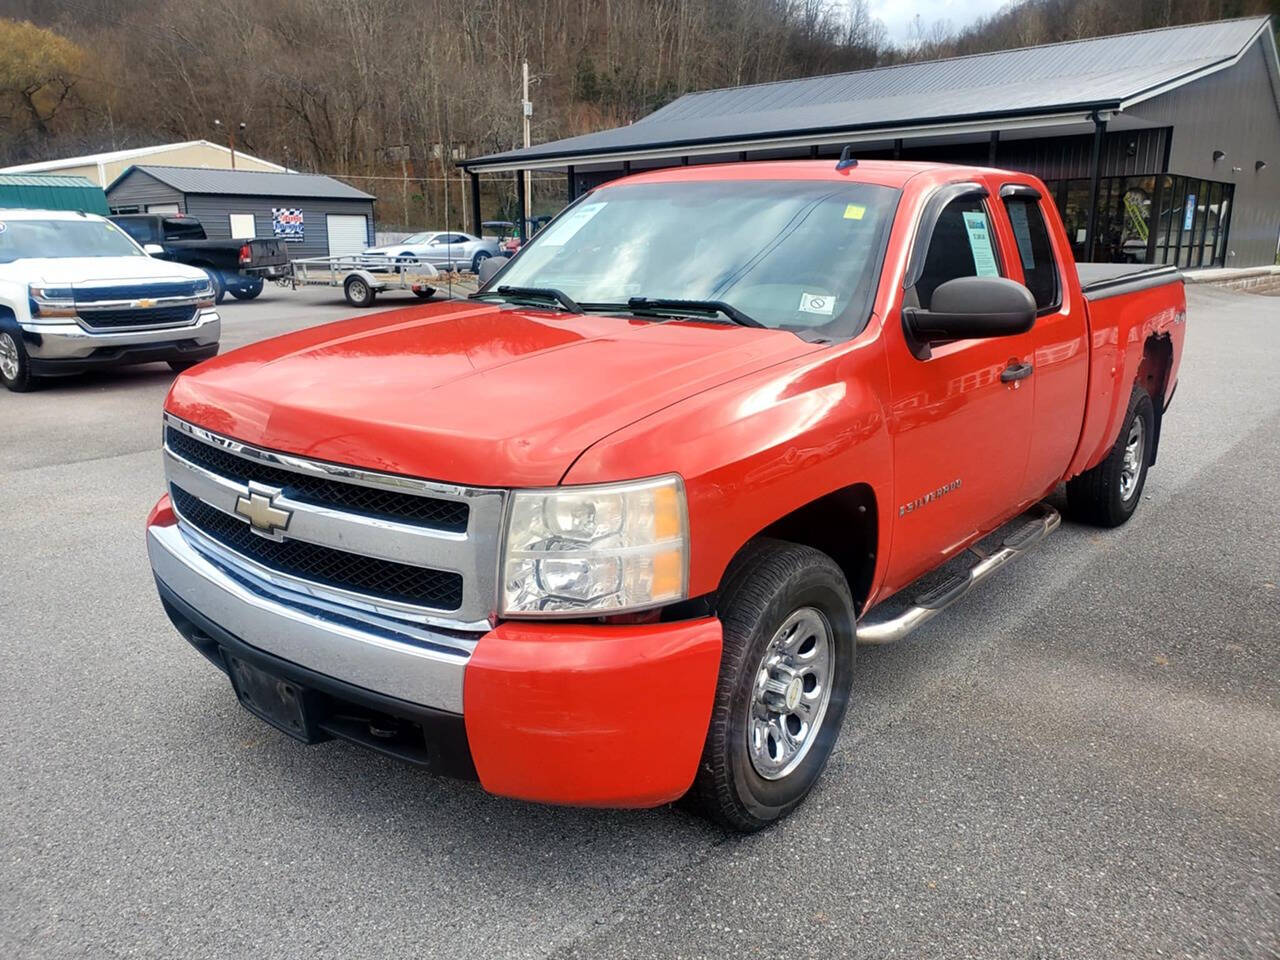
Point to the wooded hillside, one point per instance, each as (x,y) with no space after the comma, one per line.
(386,92)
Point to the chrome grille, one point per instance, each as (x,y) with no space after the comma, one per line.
(385,544)
(439,589)
(406,507)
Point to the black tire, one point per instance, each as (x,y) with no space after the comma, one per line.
(480,257)
(358,292)
(1108,494)
(249,292)
(177,366)
(425,294)
(769,582)
(219,285)
(14,359)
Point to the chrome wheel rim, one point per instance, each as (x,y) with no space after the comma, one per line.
(1131,468)
(358,290)
(8,357)
(791,692)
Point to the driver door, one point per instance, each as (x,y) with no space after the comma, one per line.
(961,428)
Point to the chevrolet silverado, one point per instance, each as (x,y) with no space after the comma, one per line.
(610,532)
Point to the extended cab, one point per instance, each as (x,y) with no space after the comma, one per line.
(237,267)
(610,532)
(76,293)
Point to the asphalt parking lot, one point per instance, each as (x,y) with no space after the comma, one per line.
(1081,760)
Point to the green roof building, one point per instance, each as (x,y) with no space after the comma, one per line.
(42,191)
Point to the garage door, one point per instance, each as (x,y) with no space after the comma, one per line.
(347,234)
(162,208)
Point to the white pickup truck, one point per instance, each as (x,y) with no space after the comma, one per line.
(76,292)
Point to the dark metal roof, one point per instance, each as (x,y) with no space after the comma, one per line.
(1055,78)
(248,183)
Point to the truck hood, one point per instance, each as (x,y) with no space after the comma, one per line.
(91,269)
(464,392)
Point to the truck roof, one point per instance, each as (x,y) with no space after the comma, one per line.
(23,213)
(886,173)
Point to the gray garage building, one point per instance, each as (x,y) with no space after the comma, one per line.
(1160,146)
(318,216)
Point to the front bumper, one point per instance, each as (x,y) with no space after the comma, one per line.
(580,714)
(66,339)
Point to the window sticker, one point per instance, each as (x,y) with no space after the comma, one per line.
(984,257)
(3,226)
(1189,216)
(854,211)
(819,303)
(571,223)
(1022,233)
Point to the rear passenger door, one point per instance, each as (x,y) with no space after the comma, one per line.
(961,433)
(1060,357)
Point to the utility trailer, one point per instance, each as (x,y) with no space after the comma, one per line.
(362,277)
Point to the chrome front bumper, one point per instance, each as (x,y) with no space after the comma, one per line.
(416,665)
(66,339)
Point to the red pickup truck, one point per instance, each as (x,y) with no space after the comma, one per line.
(609,532)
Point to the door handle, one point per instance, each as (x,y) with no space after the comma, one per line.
(1015,371)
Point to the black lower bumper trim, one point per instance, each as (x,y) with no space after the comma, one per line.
(184,351)
(430,738)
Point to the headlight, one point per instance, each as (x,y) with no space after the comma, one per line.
(204,290)
(51,301)
(600,549)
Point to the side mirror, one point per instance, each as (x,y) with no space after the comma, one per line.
(490,266)
(153,249)
(968,308)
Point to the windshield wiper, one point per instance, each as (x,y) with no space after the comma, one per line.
(542,294)
(646,304)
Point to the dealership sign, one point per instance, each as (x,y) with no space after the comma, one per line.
(286,223)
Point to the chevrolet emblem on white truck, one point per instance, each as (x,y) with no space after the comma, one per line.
(259,508)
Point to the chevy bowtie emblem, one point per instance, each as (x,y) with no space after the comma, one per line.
(146,303)
(259,508)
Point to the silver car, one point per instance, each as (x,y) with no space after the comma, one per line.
(441,249)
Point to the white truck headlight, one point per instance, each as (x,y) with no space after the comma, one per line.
(204,291)
(51,301)
(595,549)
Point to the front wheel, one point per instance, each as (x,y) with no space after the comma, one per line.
(219,284)
(15,365)
(785,675)
(358,292)
(480,257)
(1108,494)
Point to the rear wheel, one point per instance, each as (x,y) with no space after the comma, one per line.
(1108,494)
(219,285)
(249,291)
(358,292)
(785,675)
(15,365)
(480,257)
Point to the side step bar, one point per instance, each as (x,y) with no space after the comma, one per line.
(1042,521)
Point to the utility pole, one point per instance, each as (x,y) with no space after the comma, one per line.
(231,139)
(526,108)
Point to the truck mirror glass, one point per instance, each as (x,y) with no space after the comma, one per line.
(968,308)
(489,266)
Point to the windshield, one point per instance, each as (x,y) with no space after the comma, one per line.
(794,255)
(31,239)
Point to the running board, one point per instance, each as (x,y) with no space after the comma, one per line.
(1036,524)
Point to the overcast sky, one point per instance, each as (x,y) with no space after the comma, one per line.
(897,15)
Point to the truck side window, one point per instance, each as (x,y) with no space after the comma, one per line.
(961,246)
(1039,268)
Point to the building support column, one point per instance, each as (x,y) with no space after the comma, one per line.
(523,226)
(475,202)
(991,148)
(573,183)
(1095,185)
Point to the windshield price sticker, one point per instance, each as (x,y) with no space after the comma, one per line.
(984,257)
(854,211)
(569,224)
(819,303)
(3,226)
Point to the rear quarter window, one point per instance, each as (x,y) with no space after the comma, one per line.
(1039,269)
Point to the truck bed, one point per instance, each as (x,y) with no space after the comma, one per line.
(1101,280)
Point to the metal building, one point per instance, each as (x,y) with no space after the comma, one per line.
(46,192)
(318,216)
(1160,146)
